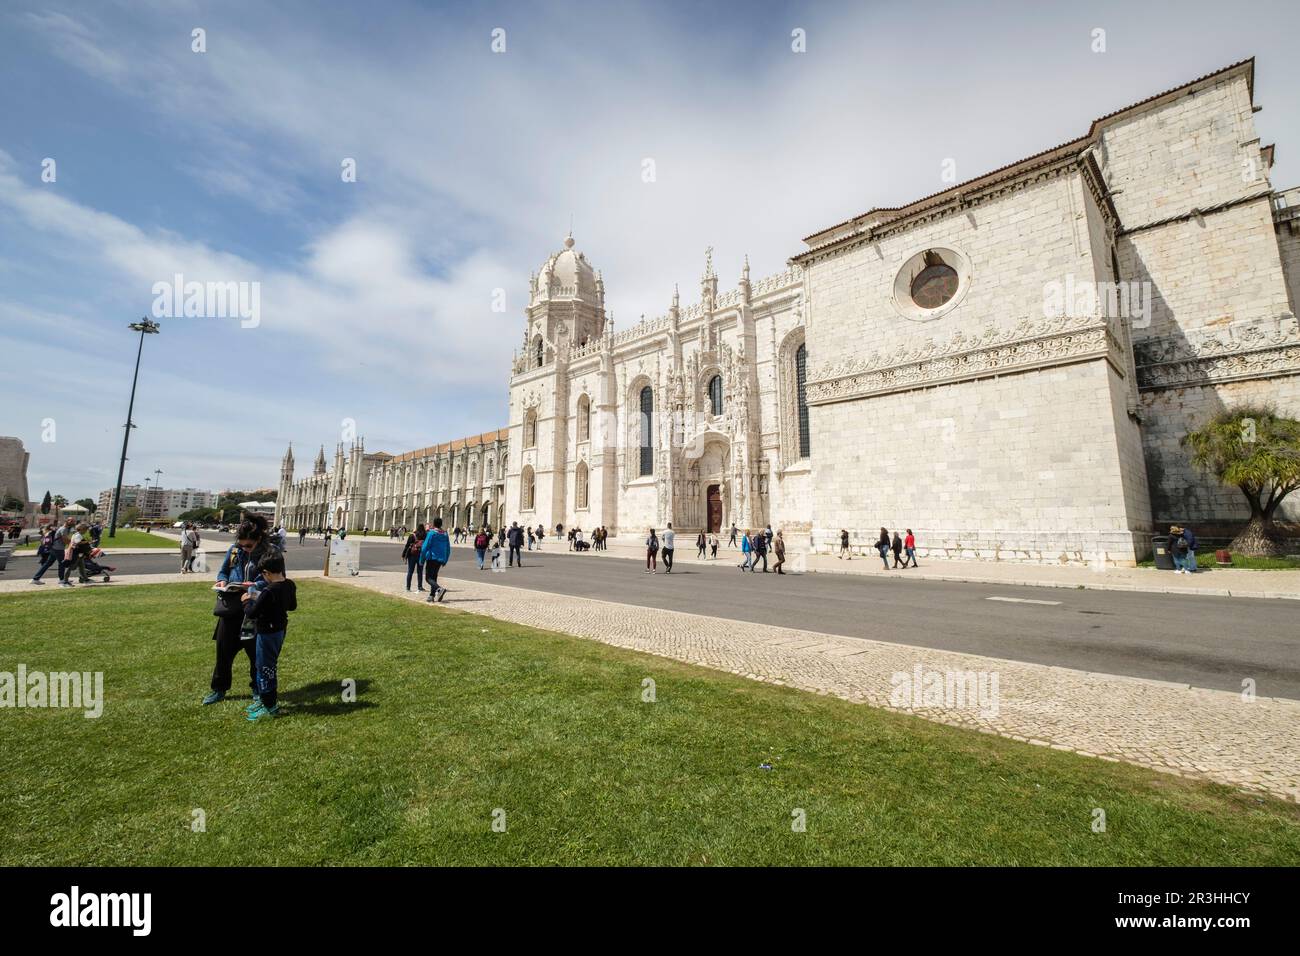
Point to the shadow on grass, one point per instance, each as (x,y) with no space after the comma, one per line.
(325,698)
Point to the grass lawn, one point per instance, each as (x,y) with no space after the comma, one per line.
(459,715)
(126,538)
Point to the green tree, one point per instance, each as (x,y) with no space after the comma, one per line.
(129,515)
(1254,449)
(59,502)
(45,504)
(90,504)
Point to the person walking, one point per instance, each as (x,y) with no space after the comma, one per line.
(767,533)
(435,553)
(732,542)
(778,548)
(760,551)
(302,536)
(239,570)
(713,546)
(882,547)
(700,544)
(78,552)
(909,546)
(482,541)
(187,550)
(897,547)
(411,552)
(745,552)
(1190,562)
(541,533)
(844,544)
(48,553)
(670,537)
(63,542)
(651,552)
(530,537)
(516,539)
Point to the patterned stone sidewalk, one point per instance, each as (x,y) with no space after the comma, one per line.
(1254,745)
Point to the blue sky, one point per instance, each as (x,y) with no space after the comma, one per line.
(376,295)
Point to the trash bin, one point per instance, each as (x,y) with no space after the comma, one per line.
(1160,549)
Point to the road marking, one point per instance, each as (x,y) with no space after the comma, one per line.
(1020,600)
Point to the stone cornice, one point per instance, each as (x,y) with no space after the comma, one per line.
(993,351)
(1232,354)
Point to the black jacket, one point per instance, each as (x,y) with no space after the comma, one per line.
(269,608)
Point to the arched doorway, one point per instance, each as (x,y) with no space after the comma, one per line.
(713,512)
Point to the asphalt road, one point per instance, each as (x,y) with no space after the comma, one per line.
(1199,640)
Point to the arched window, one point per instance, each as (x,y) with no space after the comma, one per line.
(530,428)
(715,395)
(801,386)
(491,469)
(584,418)
(647,431)
(539,351)
(527,490)
(581,483)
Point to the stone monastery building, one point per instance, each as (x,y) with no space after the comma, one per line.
(1006,367)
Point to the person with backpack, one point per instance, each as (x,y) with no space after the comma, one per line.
(760,551)
(700,544)
(746,552)
(651,552)
(844,544)
(48,553)
(267,606)
(481,542)
(411,552)
(435,553)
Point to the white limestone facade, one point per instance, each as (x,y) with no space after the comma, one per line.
(1007,367)
(688,418)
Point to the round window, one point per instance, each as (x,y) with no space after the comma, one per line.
(934,286)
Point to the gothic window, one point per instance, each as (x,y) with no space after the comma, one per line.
(491,469)
(584,418)
(530,428)
(581,483)
(527,490)
(539,353)
(801,386)
(647,431)
(715,395)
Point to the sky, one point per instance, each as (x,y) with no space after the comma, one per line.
(480,133)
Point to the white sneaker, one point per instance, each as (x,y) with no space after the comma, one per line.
(37,581)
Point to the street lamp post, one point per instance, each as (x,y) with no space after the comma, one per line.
(145,327)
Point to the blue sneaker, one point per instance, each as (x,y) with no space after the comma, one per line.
(257,702)
(216,697)
(263,713)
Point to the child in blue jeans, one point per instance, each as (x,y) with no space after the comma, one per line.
(268,605)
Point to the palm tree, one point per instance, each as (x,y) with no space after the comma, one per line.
(1256,450)
(59,502)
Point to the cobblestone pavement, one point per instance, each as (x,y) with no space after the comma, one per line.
(1254,745)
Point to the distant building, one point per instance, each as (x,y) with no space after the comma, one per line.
(155,504)
(13,471)
(265,508)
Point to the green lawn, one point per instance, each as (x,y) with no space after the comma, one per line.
(459,715)
(126,538)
